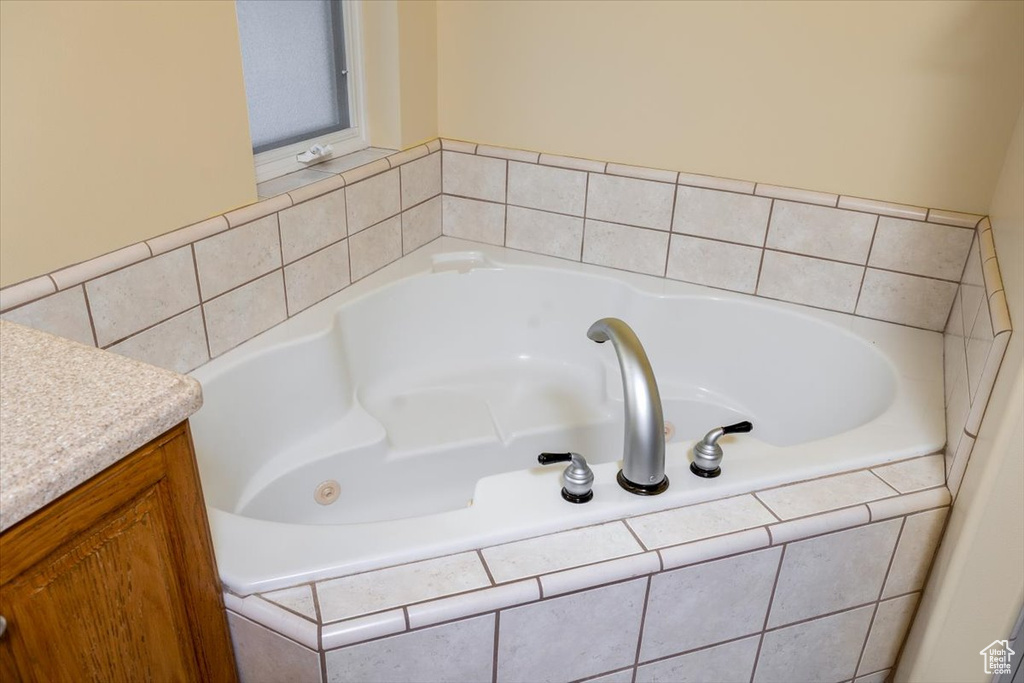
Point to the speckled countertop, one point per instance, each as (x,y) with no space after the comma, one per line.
(69,411)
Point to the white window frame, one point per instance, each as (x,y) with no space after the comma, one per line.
(278,162)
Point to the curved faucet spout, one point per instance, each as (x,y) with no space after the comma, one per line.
(643,468)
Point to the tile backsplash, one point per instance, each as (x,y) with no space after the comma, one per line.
(182,298)
(179,299)
(975,338)
(874,259)
(741,588)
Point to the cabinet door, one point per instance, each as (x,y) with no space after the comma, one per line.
(115,581)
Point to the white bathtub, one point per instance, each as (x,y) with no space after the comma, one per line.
(428,389)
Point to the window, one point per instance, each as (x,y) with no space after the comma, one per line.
(302,79)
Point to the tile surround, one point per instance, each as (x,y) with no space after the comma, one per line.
(317,276)
(237,256)
(375,591)
(912,300)
(312,225)
(600,630)
(421,180)
(421,224)
(178,343)
(975,338)
(729,663)
(829,233)
(811,281)
(119,295)
(829,493)
(715,264)
(131,299)
(918,541)
(856,559)
(554,552)
(373,200)
(242,313)
(695,522)
(786,656)
(721,215)
(375,247)
(918,248)
(475,220)
(64,314)
(891,620)
(474,177)
(551,189)
(629,201)
(424,655)
(544,233)
(147,308)
(263,655)
(730,595)
(732,584)
(624,195)
(624,247)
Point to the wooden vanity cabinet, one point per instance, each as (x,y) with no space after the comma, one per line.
(116,580)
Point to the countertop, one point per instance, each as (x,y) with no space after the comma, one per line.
(69,411)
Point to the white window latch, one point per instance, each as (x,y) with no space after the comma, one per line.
(314,154)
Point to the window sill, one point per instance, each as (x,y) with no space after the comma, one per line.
(317,172)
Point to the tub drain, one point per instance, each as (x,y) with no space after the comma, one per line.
(327,492)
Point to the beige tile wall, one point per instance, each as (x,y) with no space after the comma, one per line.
(975,338)
(873,259)
(182,298)
(723,590)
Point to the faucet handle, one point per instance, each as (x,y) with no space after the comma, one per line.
(578,478)
(707,454)
(549,458)
(738,428)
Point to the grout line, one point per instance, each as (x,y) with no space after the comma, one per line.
(504,212)
(487,570)
(867,260)
(540,587)
(833,613)
(764,245)
(643,545)
(202,309)
(494,654)
(405,614)
(228,610)
(773,514)
(892,557)
(927,219)
(881,479)
(867,637)
(401,219)
(700,648)
(643,621)
(280,246)
(768,612)
(147,328)
(88,312)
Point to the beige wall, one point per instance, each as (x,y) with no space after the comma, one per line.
(976,588)
(118,122)
(909,102)
(400,57)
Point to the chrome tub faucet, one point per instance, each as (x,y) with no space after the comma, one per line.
(643,464)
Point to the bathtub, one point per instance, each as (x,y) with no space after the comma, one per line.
(420,397)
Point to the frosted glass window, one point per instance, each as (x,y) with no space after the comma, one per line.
(293,58)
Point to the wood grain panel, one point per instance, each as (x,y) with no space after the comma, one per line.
(116,580)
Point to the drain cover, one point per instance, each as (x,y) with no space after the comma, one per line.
(327,492)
